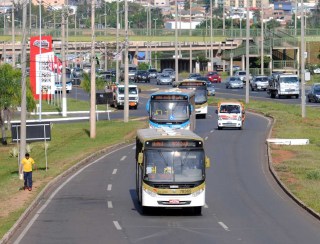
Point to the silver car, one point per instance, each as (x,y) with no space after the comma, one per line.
(164,79)
(234,82)
(260,82)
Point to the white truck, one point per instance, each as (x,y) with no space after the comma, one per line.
(284,85)
(118,95)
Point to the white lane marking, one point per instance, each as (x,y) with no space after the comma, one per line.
(114,171)
(110,204)
(206,138)
(206,206)
(117,225)
(134,148)
(23,233)
(223,226)
(123,158)
(211,131)
(109,187)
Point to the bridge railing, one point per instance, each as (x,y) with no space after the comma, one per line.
(285,64)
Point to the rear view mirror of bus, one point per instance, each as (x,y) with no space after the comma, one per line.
(140,158)
(208,162)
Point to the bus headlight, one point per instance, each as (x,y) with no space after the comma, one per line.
(197,193)
(151,193)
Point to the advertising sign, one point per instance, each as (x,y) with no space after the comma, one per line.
(41,62)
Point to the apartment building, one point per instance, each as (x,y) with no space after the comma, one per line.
(243,3)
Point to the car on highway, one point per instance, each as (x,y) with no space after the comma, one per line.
(171,72)
(142,75)
(77,72)
(194,76)
(314,93)
(214,77)
(316,71)
(153,73)
(164,79)
(210,87)
(234,82)
(259,82)
(242,75)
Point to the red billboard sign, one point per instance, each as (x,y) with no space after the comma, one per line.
(42,62)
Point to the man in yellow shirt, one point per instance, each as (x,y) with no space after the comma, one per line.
(27,163)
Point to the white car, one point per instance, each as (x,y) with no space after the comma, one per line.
(58,87)
(316,71)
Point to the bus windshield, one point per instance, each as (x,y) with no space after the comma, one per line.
(169,111)
(177,165)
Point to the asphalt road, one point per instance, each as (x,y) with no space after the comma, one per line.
(243,204)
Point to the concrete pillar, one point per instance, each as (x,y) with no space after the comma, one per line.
(231,64)
(223,65)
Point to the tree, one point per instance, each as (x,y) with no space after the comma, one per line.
(86,83)
(10,90)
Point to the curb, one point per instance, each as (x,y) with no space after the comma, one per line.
(6,238)
(280,183)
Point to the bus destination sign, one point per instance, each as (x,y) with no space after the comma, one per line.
(169,97)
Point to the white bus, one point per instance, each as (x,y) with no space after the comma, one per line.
(170,169)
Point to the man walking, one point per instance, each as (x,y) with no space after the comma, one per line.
(27,163)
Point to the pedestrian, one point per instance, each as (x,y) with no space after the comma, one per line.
(27,163)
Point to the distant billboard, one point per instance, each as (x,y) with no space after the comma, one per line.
(141,56)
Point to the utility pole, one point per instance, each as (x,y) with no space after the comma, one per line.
(302,53)
(247,52)
(117,40)
(176,64)
(211,44)
(126,61)
(295,17)
(13,37)
(223,19)
(23,114)
(190,34)
(63,56)
(93,76)
(262,43)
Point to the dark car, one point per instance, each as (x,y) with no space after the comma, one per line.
(214,77)
(314,93)
(194,75)
(142,75)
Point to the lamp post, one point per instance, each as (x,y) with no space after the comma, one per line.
(155,26)
(211,44)
(13,38)
(247,52)
(262,43)
(302,73)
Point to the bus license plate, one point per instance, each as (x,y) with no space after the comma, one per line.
(174,201)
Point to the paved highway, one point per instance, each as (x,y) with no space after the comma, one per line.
(243,205)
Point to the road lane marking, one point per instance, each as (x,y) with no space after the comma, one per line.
(25,230)
(117,225)
(123,158)
(206,138)
(114,171)
(134,148)
(206,206)
(110,204)
(211,131)
(109,187)
(223,226)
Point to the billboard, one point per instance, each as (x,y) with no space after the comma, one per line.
(43,66)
